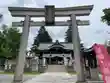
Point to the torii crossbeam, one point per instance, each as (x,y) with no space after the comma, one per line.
(57,23)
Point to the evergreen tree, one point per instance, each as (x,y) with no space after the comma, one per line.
(42,37)
(68,35)
(106,17)
(1,17)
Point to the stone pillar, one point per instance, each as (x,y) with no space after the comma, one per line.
(22,52)
(50,59)
(77,54)
(6,66)
(44,61)
(40,64)
(65,61)
(10,66)
(37,62)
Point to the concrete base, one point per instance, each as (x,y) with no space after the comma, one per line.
(81,82)
(17,81)
(95,81)
(94,74)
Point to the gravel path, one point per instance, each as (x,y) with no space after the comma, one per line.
(9,78)
(53,77)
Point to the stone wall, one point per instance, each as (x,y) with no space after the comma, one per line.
(30,65)
(11,68)
(10,61)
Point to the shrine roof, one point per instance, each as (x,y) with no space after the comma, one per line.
(57,44)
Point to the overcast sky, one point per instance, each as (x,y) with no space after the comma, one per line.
(95,33)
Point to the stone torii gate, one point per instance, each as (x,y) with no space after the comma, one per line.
(50,12)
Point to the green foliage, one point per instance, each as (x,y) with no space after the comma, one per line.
(9,42)
(106,17)
(68,35)
(42,37)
